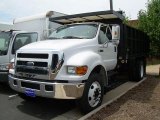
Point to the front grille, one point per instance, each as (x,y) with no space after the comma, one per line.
(30,85)
(30,65)
(32,55)
(34,70)
(54,61)
(38,64)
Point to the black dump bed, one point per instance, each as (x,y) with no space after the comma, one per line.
(133,42)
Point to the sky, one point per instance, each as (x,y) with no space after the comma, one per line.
(11,9)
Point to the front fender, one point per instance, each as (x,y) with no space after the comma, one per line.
(88,58)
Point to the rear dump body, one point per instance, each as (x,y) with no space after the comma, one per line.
(133,46)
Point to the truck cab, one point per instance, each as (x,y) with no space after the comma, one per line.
(10,42)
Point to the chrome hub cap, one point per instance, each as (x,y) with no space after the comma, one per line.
(142,71)
(94,94)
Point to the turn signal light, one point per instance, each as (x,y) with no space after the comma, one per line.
(82,70)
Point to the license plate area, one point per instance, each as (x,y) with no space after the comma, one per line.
(30,85)
(30,92)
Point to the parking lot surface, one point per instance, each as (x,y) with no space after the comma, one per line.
(38,109)
(48,109)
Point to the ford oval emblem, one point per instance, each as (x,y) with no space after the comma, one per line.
(30,63)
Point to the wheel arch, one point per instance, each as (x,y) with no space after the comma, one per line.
(99,69)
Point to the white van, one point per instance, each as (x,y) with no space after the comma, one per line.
(37,27)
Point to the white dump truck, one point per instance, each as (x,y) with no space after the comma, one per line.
(25,30)
(78,59)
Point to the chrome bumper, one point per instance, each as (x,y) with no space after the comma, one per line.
(59,91)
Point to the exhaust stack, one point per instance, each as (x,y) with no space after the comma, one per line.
(111,4)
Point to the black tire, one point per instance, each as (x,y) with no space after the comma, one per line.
(85,103)
(132,70)
(137,71)
(140,69)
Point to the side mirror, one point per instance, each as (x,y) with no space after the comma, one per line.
(115,32)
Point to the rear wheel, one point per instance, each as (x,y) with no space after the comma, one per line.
(137,70)
(92,95)
(141,70)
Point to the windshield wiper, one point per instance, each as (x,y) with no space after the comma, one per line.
(53,38)
(72,37)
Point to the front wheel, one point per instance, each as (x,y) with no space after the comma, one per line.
(92,95)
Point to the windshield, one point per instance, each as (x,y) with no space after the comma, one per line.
(4,42)
(79,31)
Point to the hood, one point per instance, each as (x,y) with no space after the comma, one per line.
(56,44)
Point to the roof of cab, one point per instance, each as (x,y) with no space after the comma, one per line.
(89,17)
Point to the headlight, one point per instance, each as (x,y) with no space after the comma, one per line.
(71,70)
(78,70)
(4,67)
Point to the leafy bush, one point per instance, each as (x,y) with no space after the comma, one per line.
(149,22)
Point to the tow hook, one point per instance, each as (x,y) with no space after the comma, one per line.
(12,96)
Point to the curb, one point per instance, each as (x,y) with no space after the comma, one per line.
(111,101)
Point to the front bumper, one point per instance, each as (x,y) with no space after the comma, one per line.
(3,76)
(48,89)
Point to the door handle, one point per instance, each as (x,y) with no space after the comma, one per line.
(101,51)
(115,49)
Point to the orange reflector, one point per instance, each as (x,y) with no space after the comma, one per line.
(82,70)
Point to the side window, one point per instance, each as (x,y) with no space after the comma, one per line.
(109,32)
(23,39)
(2,43)
(102,35)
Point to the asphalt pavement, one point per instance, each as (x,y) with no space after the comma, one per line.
(38,109)
(51,109)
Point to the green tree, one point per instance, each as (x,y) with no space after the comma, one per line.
(126,20)
(149,22)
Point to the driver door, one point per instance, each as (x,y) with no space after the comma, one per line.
(107,49)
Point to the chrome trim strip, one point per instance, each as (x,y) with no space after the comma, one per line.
(53,73)
(32,59)
(3,72)
(33,76)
